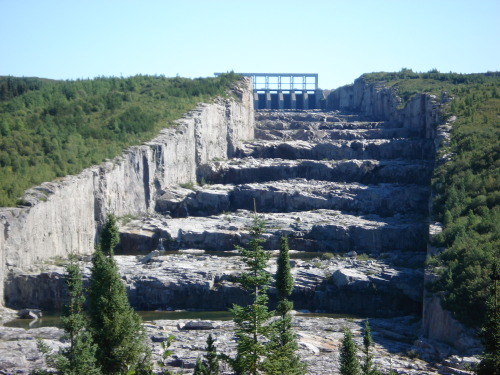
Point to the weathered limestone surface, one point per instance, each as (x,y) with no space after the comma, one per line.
(64,216)
(377,149)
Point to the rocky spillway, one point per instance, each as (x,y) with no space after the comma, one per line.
(337,185)
(333,183)
(350,194)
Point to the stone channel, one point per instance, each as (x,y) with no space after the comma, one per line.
(352,190)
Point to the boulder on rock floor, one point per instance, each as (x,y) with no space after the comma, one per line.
(346,276)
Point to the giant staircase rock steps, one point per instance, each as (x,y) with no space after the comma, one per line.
(326,132)
(351,190)
(331,182)
(378,149)
(314,230)
(323,126)
(181,281)
(384,199)
(247,170)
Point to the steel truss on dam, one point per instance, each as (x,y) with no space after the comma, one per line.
(285,90)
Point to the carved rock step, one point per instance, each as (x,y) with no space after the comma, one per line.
(318,230)
(295,195)
(312,134)
(248,170)
(379,149)
(338,124)
(187,281)
(311,116)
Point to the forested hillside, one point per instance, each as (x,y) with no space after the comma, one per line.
(467,187)
(50,128)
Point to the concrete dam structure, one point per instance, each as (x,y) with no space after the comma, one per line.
(285,91)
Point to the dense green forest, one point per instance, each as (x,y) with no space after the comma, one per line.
(467,187)
(50,128)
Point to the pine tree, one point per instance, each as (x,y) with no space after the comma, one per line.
(199,368)
(490,362)
(109,235)
(212,360)
(349,364)
(284,280)
(252,321)
(81,354)
(283,358)
(368,368)
(114,325)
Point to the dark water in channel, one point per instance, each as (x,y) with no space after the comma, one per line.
(54,319)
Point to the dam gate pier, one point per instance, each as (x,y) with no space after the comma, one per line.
(285,91)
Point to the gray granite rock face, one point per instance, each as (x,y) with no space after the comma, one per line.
(295,195)
(317,230)
(65,216)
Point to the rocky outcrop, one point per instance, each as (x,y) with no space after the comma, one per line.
(440,325)
(421,117)
(247,170)
(64,216)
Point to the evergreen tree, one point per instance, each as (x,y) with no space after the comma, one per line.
(199,368)
(109,235)
(349,364)
(115,326)
(212,360)
(283,344)
(490,362)
(80,356)
(284,280)
(368,368)
(167,352)
(252,321)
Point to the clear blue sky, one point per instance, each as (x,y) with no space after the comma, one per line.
(339,39)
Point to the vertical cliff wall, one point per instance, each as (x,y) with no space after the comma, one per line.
(64,216)
(420,115)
